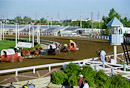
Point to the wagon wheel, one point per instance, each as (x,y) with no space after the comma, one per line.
(20,59)
(12,59)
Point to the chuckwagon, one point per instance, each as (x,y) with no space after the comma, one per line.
(10,55)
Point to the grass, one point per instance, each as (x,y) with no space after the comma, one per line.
(5,44)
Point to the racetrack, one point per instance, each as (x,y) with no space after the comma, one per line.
(87,49)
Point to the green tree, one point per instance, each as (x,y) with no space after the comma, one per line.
(18,19)
(26,19)
(43,21)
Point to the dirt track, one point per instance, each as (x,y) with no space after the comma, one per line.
(87,49)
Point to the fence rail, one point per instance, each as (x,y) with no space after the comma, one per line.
(33,68)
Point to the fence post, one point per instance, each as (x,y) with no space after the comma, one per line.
(103,65)
(34,70)
(16,73)
(112,71)
(95,68)
(124,66)
(49,68)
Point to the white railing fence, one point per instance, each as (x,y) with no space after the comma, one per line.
(91,61)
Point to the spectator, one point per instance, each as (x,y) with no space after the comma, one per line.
(81,80)
(102,55)
(86,85)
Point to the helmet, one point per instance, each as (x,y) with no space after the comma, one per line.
(71,41)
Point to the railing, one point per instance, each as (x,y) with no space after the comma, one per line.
(47,33)
(97,36)
(85,61)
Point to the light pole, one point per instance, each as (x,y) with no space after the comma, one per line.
(33,35)
(16,34)
(18,30)
(51,22)
(29,30)
(37,31)
(80,20)
(48,20)
(3,29)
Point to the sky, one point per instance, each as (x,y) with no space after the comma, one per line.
(62,9)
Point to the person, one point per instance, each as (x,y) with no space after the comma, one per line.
(51,50)
(65,48)
(86,85)
(73,45)
(102,55)
(81,80)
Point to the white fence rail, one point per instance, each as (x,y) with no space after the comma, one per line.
(85,61)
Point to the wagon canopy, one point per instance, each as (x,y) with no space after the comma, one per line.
(8,51)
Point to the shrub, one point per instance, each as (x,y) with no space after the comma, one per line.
(72,80)
(73,68)
(59,78)
(98,79)
(120,81)
(102,80)
(89,75)
(73,71)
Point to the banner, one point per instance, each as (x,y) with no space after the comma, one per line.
(24,45)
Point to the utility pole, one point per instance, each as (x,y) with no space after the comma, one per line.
(91,20)
(18,31)
(33,35)
(99,18)
(80,20)
(3,29)
(29,31)
(48,20)
(51,22)
(16,35)
(37,31)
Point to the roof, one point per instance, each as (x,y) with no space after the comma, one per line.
(114,23)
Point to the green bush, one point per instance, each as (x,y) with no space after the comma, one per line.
(89,75)
(72,80)
(98,79)
(59,78)
(119,82)
(102,80)
(73,71)
(73,68)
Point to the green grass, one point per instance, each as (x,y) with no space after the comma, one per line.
(5,44)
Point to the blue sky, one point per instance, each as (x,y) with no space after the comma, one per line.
(67,9)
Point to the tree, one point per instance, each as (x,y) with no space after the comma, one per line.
(86,24)
(43,21)
(26,19)
(113,14)
(18,19)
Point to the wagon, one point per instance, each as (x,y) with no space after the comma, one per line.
(10,55)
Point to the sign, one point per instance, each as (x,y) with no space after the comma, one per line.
(24,45)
